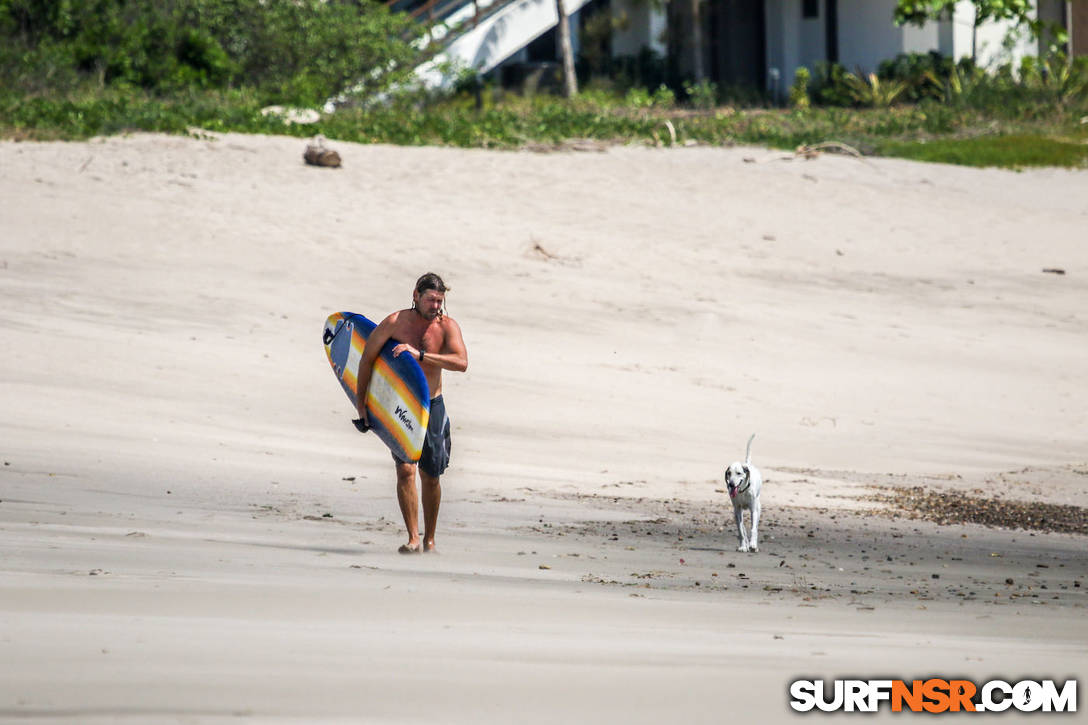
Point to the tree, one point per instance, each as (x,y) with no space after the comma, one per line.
(289,51)
(697,40)
(570,81)
(917,12)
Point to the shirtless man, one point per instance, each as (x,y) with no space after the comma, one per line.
(429,335)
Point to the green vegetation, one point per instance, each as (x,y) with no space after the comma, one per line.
(72,69)
(1014,150)
(282,51)
(799,97)
(929,130)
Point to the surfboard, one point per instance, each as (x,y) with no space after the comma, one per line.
(398,400)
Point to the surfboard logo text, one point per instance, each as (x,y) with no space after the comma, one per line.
(402,414)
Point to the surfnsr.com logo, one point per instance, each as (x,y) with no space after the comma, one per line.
(933,695)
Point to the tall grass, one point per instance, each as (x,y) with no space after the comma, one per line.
(1010,151)
(929,130)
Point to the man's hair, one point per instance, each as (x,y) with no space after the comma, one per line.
(430,281)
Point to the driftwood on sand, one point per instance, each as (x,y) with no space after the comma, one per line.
(318,154)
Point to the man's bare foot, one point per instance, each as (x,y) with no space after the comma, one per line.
(410,548)
(429,548)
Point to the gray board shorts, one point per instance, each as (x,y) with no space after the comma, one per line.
(436,445)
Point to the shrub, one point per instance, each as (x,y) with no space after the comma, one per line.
(870,92)
(1058,78)
(799,89)
(829,87)
(638,98)
(702,95)
(647,69)
(664,97)
(744,95)
(922,73)
(293,51)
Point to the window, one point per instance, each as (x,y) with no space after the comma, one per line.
(810,9)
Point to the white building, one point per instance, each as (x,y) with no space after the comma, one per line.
(760,43)
(860,34)
(763,42)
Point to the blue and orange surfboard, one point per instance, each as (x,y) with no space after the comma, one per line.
(398,399)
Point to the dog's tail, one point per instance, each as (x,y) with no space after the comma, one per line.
(748,453)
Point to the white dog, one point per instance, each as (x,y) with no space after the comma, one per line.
(744,482)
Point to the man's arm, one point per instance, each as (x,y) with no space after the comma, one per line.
(453,357)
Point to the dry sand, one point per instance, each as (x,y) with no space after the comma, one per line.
(192,531)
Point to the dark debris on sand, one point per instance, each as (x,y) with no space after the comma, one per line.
(943,507)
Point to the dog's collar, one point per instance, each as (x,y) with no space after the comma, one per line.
(745,484)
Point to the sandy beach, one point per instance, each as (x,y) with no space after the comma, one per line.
(191,530)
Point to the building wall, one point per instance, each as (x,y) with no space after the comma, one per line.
(946,39)
(645,28)
(782,55)
(812,33)
(921,39)
(793,40)
(867,34)
(991,36)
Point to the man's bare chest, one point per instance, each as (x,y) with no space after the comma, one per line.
(429,338)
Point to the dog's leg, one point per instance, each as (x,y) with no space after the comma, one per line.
(738,512)
(754,540)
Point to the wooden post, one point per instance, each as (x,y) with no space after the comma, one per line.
(566,52)
(697,42)
(1078,28)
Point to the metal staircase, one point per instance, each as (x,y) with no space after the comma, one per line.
(476,34)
